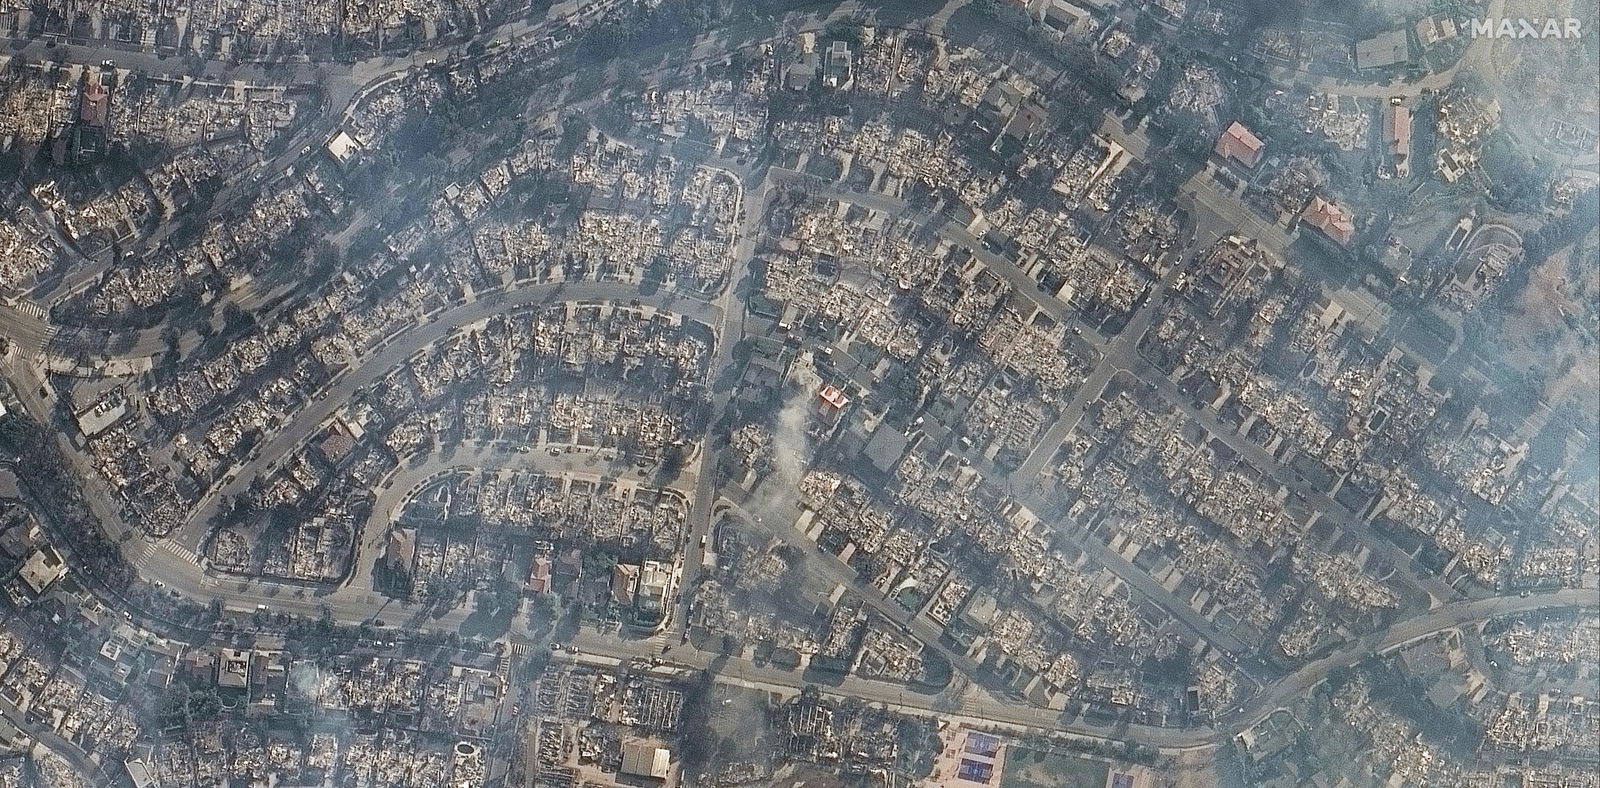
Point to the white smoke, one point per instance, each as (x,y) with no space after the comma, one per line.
(791,447)
(308,680)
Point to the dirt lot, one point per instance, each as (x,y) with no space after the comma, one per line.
(1551,323)
(1032,769)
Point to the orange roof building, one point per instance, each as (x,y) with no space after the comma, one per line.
(624,583)
(1238,144)
(834,397)
(1330,220)
(539,580)
(95,103)
(1397,138)
(402,550)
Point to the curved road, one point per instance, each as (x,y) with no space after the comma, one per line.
(397,490)
(351,601)
(1030,718)
(1401,633)
(397,348)
(350,604)
(342,85)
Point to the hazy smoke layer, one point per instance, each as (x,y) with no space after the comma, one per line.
(791,449)
(1272,12)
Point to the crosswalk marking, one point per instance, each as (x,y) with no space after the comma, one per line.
(138,559)
(180,551)
(32,310)
(146,550)
(657,643)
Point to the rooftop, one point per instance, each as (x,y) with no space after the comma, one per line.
(1383,50)
(643,759)
(1240,145)
(1332,220)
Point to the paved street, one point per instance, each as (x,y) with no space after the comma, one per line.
(1120,354)
(1410,630)
(401,346)
(730,332)
(1027,719)
(397,490)
(1430,604)
(838,573)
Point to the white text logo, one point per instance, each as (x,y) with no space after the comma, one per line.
(1509,27)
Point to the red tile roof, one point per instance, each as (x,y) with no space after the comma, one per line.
(1397,131)
(833,396)
(1331,220)
(539,580)
(1238,144)
(95,100)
